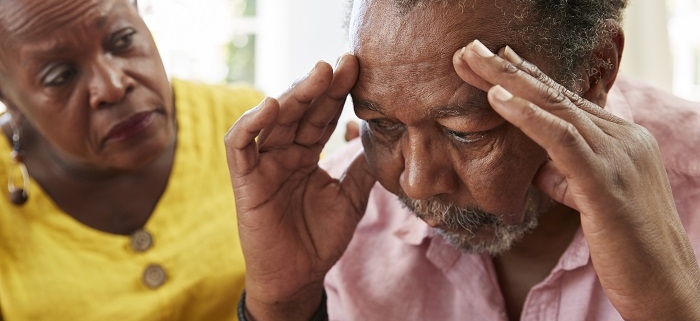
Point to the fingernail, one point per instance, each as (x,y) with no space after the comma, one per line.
(481,50)
(511,56)
(501,93)
(462,52)
(337,62)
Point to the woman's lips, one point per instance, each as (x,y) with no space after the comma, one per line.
(130,127)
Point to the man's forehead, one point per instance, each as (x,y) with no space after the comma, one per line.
(407,55)
(431,26)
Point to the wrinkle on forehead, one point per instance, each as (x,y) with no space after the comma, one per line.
(22,20)
(406,57)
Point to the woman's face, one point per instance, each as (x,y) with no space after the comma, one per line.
(87,76)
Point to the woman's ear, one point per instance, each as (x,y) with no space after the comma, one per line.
(604,63)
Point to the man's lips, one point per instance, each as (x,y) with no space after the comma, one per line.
(130,126)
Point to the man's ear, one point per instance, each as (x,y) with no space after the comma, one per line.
(604,63)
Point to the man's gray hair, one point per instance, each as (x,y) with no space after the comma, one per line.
(564,31)
(569,30)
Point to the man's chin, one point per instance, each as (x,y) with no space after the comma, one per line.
(491,240)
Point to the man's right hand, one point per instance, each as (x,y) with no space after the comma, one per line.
(294,220)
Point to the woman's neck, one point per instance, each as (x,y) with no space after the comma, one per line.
(110,200)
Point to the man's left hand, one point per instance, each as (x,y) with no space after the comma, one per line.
(611,172)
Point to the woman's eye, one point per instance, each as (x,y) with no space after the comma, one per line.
(123,39)
(59,75)
(384,125)
(465,138)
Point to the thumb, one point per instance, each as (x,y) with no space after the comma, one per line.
(552,182)
(357,182)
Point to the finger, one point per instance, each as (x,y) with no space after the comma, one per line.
(466,73)
(352,130)
(329,129)
(325,108)
(550,180)
(500,71)
(294,103)
(241,148)
(562,140)
(511,56)
(357,182)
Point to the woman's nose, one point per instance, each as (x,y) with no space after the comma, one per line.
(109,84)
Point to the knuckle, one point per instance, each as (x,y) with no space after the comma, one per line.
(510,68)
(554,97)
(644,141)
(532,69)
(228,137)
(578,100)
(317,124)
(531,111)
(540,76)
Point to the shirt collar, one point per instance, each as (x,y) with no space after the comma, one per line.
(413,230)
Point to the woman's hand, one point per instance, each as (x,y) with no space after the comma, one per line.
(295,221)
(611,172)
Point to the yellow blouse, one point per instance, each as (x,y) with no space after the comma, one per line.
(186,264)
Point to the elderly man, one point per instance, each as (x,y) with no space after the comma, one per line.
(520,196)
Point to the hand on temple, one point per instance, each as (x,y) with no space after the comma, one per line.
(607,169)
(294,220)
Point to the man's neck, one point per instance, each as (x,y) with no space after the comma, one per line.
(532,259)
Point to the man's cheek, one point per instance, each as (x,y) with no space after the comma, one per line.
(369,146)
(384,163)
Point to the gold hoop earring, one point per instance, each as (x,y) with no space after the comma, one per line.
(18,195)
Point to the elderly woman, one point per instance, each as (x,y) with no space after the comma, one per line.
(119,204)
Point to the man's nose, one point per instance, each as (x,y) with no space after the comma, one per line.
(428,169)
(109,83)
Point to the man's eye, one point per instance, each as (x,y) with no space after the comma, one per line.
(465,138)
(59,75)
(384,125)
(123,39)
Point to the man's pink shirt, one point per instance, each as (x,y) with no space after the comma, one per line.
(397,268)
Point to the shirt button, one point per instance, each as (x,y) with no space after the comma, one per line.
(141,241)
(154,276)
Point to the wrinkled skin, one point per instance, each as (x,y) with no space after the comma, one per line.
(84,81)
(470,128)
(434,138)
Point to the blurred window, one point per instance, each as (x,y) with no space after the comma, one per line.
(683,26)
(212,41)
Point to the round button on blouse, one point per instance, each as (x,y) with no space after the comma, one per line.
(141,241)
(154,276)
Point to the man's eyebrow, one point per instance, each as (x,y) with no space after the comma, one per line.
(367,105)
(476,104)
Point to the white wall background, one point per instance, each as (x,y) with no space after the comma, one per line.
(292,36)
